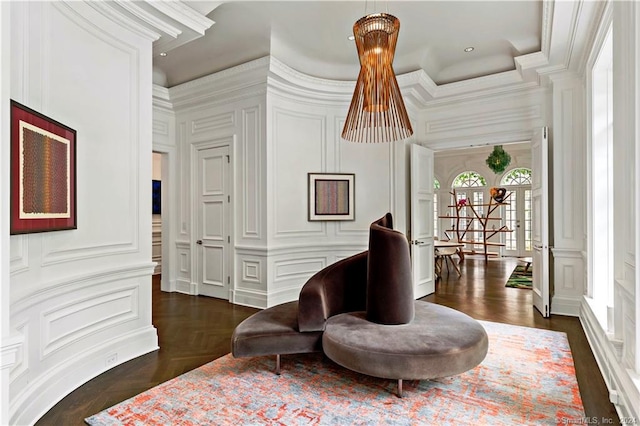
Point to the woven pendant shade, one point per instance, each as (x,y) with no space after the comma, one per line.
(377,112)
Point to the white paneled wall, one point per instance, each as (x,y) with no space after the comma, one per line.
(80,300)
(277,138)
(618,351)
(568,197)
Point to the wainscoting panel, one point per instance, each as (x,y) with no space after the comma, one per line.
(292,266)
(299,147)
(250,289)
(298,269)
(568,281)
(63,326)
(251,173)
(19,252)
(75,320)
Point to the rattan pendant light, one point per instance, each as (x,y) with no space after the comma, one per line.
(377,112)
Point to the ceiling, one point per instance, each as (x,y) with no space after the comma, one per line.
(312,37)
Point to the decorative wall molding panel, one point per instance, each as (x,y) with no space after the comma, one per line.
(81,282)
(71,322)
(20,345)
(250,152)
(252,271)
(160,127)
(250,287)
(298,146)
(568,278)
(298,268)
(213,123)
(568,170)
(76,369)
(19,260)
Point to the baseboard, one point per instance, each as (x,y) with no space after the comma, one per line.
(624,389)
(48,389)
(183,286)
(565,306)
(249,298)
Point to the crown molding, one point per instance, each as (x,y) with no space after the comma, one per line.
(293,84)
(161,98)
(111,11)
(248,79)
(149,19)
(185,15)
(168,24)
(280,69)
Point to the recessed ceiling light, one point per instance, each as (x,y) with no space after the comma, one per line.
(163,53)
(469,49)
(351,37)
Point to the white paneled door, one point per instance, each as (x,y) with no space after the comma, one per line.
(422,220)
(540,217)
(213,222)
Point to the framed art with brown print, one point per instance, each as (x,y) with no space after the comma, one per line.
(43,173)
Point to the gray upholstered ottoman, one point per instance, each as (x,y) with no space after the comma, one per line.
(274,331)
(439,342)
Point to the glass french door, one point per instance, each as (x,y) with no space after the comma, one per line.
(474,231)
(517,217)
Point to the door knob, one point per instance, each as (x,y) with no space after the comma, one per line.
(199,242)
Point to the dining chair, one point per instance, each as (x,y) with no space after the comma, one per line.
(443,254)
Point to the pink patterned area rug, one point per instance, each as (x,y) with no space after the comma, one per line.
(527,378)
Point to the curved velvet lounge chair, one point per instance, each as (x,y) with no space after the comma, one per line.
(296,327)
(361,313)
(389,284)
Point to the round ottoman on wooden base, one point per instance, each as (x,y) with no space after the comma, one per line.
(439,342)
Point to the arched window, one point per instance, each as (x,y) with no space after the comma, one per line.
(436,183)
(469,186)
(521,176)
(469,179)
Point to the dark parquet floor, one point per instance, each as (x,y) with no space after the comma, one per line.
(195,330)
